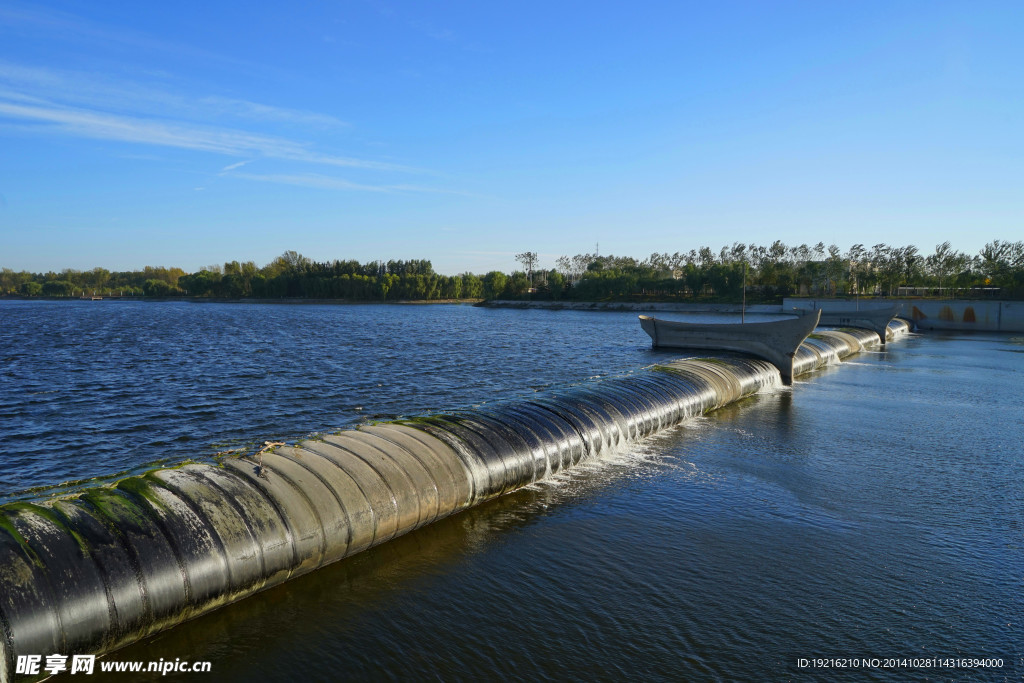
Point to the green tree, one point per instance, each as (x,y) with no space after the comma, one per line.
(942,263)
(517,285)
(529,261)
(58,288)
(494,284)
(154,287)
(98,278)
(232,285)
(835,268)
(472,286)
(11,282)
(556,284)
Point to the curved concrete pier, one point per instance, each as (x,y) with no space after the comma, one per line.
(91,572)
(776,342)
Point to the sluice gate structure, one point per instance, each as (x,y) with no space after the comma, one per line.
(776,342)
(90,572)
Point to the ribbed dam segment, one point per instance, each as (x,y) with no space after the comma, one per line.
(96,570)
(874,319)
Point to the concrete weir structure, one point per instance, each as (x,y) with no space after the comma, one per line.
(98,569)
(776,342)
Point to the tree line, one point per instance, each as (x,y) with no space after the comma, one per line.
(768,273)
(149,281)
(762,273)
(290,275)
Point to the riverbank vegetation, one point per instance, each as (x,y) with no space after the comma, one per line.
(763,273)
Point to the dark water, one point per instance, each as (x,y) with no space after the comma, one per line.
(872,510)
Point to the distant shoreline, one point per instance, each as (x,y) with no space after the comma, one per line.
(219,300)
(691,307)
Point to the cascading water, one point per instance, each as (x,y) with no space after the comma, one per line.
(93,571)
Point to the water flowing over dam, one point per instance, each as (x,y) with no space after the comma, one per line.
(93,571)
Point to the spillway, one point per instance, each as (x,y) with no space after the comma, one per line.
(90,572)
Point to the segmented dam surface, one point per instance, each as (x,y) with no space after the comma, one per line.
(93,571)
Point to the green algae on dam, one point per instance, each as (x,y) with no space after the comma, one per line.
(91,572)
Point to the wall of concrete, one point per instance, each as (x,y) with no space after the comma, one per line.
(978,316)
(776,342)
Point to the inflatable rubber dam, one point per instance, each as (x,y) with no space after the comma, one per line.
(92,571)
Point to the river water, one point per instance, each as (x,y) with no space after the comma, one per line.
(872,510)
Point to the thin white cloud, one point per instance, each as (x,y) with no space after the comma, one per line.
(141,157)
(100,125)
(263,112)
(323,182)
(87,105)
(232,167)
(90,90)
(13,96)
(155,108)
(311,180)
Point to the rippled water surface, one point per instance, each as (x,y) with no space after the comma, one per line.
(92,388)
(874,509)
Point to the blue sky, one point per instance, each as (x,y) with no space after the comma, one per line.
(191,133)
